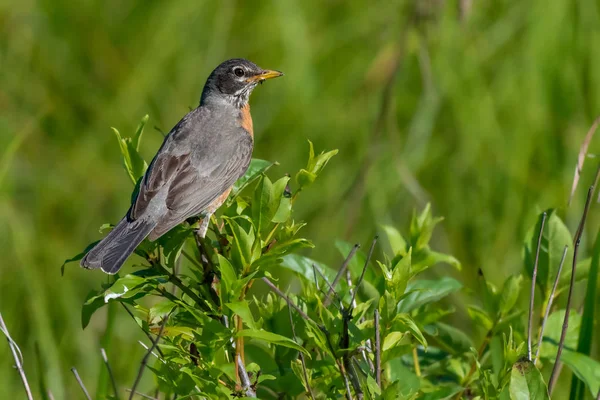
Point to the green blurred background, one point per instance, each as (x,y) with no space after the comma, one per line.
(477,107)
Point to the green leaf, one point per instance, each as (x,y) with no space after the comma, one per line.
(584,367)
(403,322)
(397,242)
(586,334)
(421,227)
(241,246)
(242,309)
(133,161)
(272,338)
(392,340)
(582,272)
(93,302)
(553,332)
(281,192)
(302,266)
(264,204)
(137,137)
(451,339)
(78,257)
(228,275)
(480,317)
(427,291)
(510,293)
(554,239)
(320,161)
(425,258)
(172,243)
(401,273)
(408,382)
(526,382)
(305,178)
(255,170)
(159,310)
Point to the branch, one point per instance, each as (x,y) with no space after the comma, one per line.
(549,306)
(533,279)
(81,385)
(321,328)
(362,275)
(301,355)
(146,356)
(340,273)
(554,375)
(556,370)
(377,349)
(289,301)
(331,289)
(581,157)
(16,352)
(368,345)
(110,373)
(244,378)
(153,353)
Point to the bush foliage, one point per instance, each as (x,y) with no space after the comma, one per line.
(226,327)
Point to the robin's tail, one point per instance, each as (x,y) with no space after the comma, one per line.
(112,251)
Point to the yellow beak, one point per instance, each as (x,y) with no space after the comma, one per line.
(266,74)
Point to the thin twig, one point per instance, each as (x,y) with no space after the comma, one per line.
(110,373)
(18,356)
(339,364)
(581,157)
(549,306)
(331,289)
(146,356)
(142,395)
(563,335)
(321,328)
(147,333)
(244,378)
(346,356)
(362,275)
(377,349)
(533,279)
(81,385)
(351,371)
(288,300)
(363,350)
(339,274)
(556,369)
(301,355)
(153,353)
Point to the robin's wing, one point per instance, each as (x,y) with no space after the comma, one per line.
(195,188)
(192,181)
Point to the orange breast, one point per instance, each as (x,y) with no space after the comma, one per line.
(246,120)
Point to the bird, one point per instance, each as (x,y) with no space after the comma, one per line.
(194,170)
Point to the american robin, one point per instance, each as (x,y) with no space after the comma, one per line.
(194,169)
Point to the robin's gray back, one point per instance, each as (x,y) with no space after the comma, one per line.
(199,160)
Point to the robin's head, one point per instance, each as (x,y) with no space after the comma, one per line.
(233,81)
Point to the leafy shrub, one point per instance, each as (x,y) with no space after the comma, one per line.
(225,328)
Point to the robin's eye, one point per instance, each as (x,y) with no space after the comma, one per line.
(238,71)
